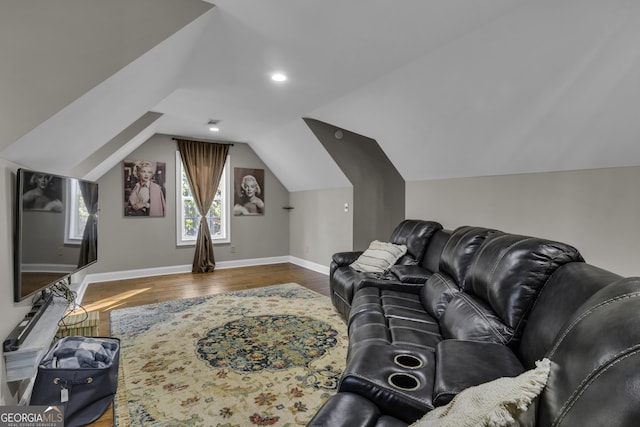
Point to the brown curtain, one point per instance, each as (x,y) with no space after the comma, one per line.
(203,163)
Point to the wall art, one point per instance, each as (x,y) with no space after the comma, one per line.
(248,191)
(144,188)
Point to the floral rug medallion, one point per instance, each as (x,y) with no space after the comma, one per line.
(267,356)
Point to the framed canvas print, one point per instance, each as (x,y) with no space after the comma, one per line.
(144,188)
(248,192)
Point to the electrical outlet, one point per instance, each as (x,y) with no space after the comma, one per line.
(346,207)
(232,249)
(60,251)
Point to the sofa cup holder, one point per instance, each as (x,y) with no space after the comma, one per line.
(408,361)
(402,381)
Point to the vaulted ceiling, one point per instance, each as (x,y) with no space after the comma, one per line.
(448,88)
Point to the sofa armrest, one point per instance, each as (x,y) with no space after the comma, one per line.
(410,273)
(397,379)
(343,259)
(403,278)
(462,364)
(389,283)
(346,409)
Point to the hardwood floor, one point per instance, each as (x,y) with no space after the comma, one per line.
(106,296)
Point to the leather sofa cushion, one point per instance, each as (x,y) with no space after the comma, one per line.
(390,304)
(391,317)
(431,258)
(415,235)
(569,287)
(437,293)
(460,250)
(457,256)
(508,273)
(464,364)
(594,376)
(469,318)
(420,335)
(368,327)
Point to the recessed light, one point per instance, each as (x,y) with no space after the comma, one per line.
(278,77)
(213,125)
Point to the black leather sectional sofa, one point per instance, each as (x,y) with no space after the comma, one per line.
(466,306)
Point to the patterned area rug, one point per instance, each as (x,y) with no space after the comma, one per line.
(266,357)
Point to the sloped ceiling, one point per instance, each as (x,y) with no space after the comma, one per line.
(79,72)
(452,88)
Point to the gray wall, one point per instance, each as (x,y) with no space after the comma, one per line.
(10,313)
(595,210)
(319,225)
(129,243)
(378,188)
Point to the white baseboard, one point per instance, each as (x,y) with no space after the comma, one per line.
(310,265)
(160,271)
(250,262)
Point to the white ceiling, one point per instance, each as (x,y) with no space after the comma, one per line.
(448,88)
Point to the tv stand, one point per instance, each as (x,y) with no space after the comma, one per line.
(22,362)
(20,332)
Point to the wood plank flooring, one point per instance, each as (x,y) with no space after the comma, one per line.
(107,296)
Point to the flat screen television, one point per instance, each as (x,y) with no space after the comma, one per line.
(56,230)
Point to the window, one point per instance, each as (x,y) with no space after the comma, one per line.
(76,213)
(187,216)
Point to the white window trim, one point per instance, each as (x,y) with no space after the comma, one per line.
(71,212)
(226,221)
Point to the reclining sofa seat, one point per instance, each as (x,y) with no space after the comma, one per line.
(415,234)
(392,312)
(585,321)
(482,324)
(504,277)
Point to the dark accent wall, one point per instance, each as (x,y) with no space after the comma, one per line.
(378,187)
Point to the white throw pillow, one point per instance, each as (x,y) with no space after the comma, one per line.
(378,257)
(496,403)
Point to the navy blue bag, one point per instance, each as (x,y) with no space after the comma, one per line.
(81,375)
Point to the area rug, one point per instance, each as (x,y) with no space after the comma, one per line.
(267,357)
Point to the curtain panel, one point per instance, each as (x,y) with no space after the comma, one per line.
(203,164)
